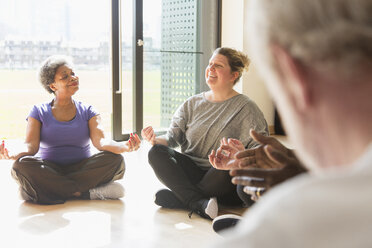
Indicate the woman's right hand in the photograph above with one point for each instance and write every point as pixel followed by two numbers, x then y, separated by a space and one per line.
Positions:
pixel 5 154
pixel 29 147
pixel 3 151
pixel 148 134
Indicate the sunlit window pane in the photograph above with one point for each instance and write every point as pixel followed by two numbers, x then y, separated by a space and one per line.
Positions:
pixel 32 30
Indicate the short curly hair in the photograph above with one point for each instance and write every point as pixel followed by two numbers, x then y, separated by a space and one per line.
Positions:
pixel 238 61
pixel 48 69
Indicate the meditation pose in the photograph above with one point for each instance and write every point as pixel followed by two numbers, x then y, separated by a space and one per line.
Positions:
pixel 57 163
pixel 199 126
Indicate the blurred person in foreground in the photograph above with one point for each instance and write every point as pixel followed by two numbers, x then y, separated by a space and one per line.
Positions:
pixel 56 163
pixel 316 57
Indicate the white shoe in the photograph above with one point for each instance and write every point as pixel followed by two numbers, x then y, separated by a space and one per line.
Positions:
pixel 223 222
pixel 112 190
pixel 212 208
pixel 205 208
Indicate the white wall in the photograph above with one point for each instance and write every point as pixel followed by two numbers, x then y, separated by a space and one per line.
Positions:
pixel 232 28
pixel 234 16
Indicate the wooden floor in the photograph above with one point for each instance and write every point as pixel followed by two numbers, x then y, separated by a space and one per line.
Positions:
pixel 134 221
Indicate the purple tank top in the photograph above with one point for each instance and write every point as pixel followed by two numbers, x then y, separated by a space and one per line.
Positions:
pixel 64 142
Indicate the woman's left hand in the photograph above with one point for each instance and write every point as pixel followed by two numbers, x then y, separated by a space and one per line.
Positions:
pixel 233 146
pixel 133 143
pixel 225 154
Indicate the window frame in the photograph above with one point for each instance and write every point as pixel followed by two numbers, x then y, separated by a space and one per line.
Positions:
pixel 137 82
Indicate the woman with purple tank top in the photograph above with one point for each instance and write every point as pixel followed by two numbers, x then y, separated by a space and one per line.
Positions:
pixel 57 163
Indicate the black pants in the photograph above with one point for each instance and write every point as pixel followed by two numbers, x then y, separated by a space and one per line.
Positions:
pixel 191 183
pixel 48 183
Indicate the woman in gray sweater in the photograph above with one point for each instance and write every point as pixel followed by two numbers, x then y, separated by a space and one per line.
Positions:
pixel 197 127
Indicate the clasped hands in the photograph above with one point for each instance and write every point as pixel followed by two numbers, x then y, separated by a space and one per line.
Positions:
pixel 259 168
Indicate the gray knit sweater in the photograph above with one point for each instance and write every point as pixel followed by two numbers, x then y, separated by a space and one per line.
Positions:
pixel 198 125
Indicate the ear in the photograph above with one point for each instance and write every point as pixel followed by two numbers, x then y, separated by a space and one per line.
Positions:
pixel 293 78
pixel 235 75
pixel 52 87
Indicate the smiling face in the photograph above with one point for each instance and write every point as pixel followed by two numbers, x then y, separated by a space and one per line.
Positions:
pixel 65 81
pixel 218 73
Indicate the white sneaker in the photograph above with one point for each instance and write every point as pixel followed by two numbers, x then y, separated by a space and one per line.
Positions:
pixel 205 208
pixel 212 208
pixel 223 222
pixel 112 190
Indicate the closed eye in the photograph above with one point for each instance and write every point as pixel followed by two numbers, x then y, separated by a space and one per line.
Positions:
pixel 215 65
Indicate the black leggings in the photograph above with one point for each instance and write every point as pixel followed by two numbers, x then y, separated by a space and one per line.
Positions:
pixel 191 183
pixel 48 183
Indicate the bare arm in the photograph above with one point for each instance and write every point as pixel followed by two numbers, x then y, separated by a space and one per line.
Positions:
pixel 102 143
pixel 31 144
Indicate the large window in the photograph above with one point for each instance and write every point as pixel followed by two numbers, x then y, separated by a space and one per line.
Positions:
pixel 137 60
pixel 32 30
pixel 165 46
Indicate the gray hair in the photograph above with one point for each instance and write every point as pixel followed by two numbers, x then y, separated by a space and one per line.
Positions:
pixel 49 68
pixel 324 34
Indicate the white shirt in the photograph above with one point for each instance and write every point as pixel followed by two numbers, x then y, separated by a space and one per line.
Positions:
pixel 329 210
